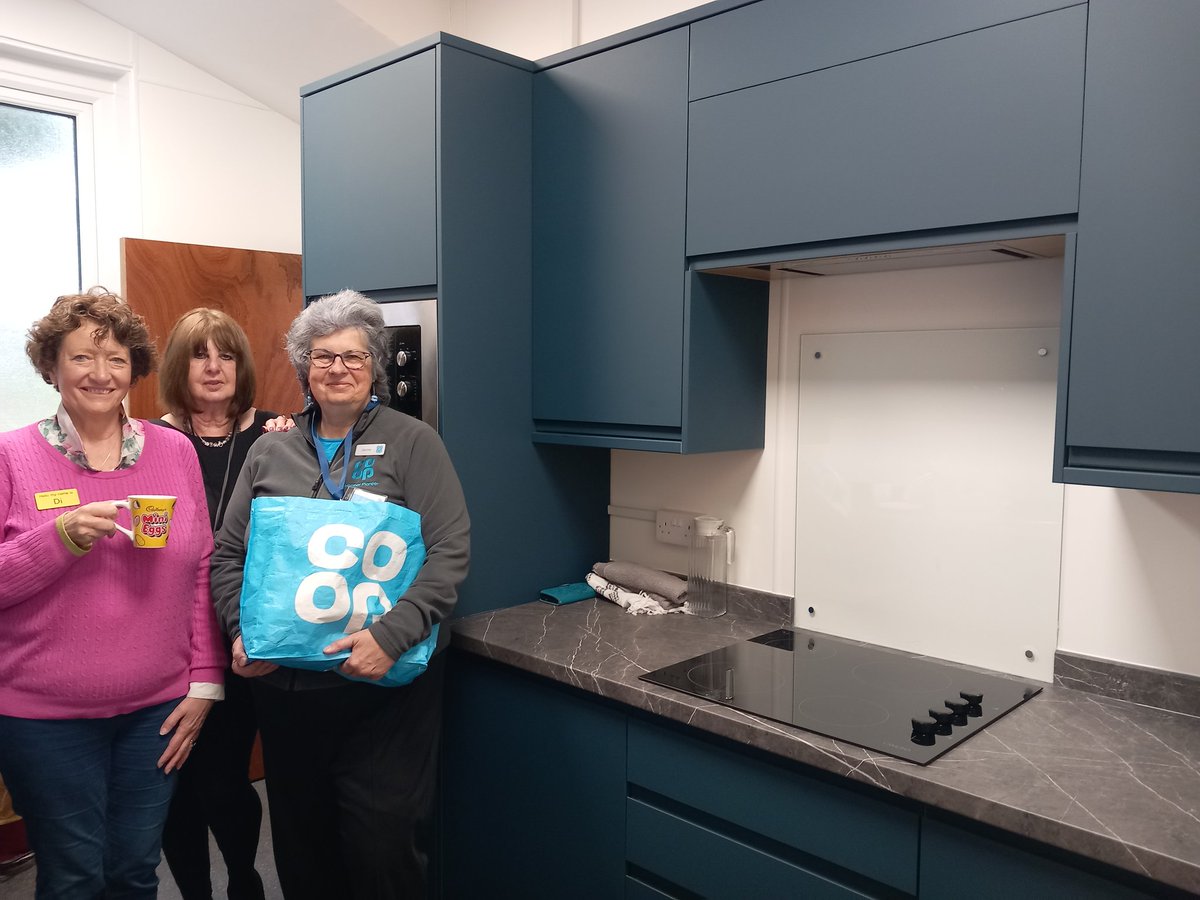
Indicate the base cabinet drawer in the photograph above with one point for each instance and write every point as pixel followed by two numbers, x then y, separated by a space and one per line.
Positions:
pixel 703 861
pixel 844 828
pixel 956 863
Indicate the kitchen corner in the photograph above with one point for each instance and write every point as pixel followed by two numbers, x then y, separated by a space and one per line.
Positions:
pixel 1110 781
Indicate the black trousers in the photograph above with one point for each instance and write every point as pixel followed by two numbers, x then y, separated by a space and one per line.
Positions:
pixel 214 791
pixel 351 778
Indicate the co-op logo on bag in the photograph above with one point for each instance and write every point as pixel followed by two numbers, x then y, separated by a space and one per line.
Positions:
pixel 333 547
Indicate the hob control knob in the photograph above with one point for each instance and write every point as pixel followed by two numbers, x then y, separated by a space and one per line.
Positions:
pixel 975 702
pixel 944 719
pixel 958 707
pixel 923 731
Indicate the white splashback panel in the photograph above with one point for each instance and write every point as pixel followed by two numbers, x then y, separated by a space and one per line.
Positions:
pixel 926 519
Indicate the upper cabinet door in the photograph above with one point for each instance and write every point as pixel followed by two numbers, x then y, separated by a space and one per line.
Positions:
pixel 370 180
pixel 776 39
pixel 1133 407
pixel 610 140
pixel 978 128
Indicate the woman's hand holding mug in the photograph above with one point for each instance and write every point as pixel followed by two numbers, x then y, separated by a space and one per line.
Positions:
pixel 151 514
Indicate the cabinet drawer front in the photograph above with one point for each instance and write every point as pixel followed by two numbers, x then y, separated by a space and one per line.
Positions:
pixel 779 38
pixel 819 819
pixel 713 865
pixel 956 863
pixel 979 128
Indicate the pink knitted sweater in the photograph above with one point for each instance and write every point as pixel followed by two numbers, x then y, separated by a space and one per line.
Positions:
pixel 118 628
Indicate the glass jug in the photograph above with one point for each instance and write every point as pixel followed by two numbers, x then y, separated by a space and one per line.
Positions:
pixel 708 567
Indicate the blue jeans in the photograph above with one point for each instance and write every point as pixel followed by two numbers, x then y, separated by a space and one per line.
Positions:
pixel 93 799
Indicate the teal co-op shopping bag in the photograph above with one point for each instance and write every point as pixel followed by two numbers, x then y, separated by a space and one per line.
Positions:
pixel 317 570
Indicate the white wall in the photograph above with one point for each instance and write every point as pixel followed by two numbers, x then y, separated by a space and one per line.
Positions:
pixel 183 156
pixel 535 29
pixel 1130 561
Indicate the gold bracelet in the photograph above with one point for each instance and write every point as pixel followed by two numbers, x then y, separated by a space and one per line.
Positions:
pixel 66 538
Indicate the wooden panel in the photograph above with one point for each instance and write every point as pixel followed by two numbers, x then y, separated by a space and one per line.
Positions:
pixel 258 288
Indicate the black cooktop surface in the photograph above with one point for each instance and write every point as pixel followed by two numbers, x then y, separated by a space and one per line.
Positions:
pixel 910 706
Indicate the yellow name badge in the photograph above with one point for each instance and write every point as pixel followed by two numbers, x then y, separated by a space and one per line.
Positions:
pixel 57 499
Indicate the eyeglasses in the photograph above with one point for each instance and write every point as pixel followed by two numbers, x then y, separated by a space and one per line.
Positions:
pixel 351 359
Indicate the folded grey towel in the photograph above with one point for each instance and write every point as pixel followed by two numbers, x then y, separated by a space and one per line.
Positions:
pixel 642 578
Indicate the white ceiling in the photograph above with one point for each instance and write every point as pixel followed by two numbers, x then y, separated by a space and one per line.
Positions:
pixel 268 49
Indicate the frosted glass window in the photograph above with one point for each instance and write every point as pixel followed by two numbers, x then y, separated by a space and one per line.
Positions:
pixel 39 245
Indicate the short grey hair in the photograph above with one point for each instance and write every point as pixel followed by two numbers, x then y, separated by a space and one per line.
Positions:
pixel 325 315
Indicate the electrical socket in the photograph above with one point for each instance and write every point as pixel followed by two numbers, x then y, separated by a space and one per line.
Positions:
pixel 671 526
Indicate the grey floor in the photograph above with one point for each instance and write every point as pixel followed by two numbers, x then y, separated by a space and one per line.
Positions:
pixel 20 885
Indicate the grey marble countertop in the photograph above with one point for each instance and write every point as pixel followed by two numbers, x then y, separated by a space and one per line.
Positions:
pixel 1110 780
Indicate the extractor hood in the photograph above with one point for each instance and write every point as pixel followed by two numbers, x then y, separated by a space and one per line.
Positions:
pixel 1045 247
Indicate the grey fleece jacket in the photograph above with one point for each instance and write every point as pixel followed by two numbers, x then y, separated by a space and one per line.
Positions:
pixel 413 470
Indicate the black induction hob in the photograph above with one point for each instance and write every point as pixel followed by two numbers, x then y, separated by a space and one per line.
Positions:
pixel 909 706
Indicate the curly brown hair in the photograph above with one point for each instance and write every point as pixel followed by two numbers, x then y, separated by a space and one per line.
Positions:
pixel 109 313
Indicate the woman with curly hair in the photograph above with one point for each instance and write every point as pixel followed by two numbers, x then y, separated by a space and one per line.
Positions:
pixel 110 655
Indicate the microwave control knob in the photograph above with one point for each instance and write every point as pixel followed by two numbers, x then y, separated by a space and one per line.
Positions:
pixel 958 707
pixel 944 719
pixel 403 388
pixel 404 357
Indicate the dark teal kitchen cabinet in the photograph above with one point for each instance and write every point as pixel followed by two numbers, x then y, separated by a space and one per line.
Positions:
pixel 977 128
pixel 776 39
pixel 472 176
pixel 533 788
pixel 369 179
pixel 1132 407
pixel 715 821
pixel 549 791
pixel 957 863
pixel 623 335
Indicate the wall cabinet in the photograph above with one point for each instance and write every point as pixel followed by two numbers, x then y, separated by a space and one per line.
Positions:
pixel 1132 411
pixel 977 128
pixel 623 336
pixel 369 179
pixel 594 799
pixel 776 39
pixel 399 208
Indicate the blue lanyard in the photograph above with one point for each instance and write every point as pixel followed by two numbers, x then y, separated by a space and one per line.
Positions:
pixel 335 490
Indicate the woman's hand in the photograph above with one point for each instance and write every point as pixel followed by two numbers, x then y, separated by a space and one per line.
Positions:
pixel 280 423
pixel 246 667
pixel 86 524
pixel 186 719
pixel 367 658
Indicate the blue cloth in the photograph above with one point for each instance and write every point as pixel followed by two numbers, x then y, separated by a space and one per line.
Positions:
pixel 93 799
pixel 568 593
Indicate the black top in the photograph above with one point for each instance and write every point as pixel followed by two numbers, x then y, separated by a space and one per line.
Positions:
pixel 215 460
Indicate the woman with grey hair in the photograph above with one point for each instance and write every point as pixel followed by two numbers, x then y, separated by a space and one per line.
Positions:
pixel 350 766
